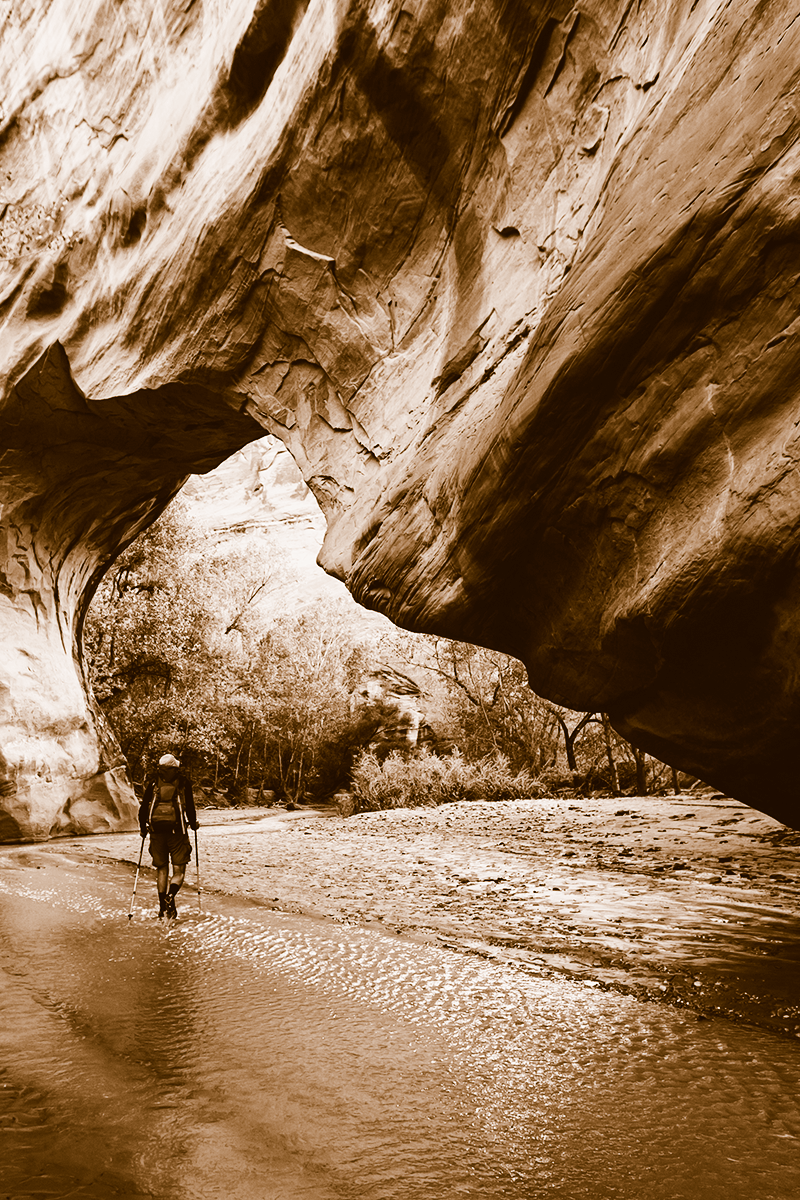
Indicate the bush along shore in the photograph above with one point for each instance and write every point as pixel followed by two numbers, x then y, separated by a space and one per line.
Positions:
pixel 428 780
pixel 693 900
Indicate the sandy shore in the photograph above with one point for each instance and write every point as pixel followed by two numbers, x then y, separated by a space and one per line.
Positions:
pixel 693 899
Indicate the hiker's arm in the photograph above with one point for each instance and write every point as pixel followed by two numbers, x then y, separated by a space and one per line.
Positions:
pixel 144 808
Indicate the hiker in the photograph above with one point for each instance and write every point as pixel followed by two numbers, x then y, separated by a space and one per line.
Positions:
pixel 167 811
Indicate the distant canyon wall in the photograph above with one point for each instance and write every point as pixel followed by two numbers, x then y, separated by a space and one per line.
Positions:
pixel 516 283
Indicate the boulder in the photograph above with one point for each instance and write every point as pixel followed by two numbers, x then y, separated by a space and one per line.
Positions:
pixel 395 701
pixel 345 803
pixel 517 286
pixel 104 804
pixel 254 796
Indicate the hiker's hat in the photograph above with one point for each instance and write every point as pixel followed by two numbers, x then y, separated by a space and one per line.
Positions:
pixel 168 760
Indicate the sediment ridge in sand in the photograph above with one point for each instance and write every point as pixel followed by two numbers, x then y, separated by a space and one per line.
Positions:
pixel 690 899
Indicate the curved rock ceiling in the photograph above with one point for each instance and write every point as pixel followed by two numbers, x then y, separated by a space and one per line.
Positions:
pixel 516 283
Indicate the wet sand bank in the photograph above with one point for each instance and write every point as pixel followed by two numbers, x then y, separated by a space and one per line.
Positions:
pixel 691 899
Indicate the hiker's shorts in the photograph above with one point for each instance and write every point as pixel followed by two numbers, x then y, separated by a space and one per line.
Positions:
pixel 169 843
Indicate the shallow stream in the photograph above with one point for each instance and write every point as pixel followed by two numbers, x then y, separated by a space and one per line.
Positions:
pixel 245 1053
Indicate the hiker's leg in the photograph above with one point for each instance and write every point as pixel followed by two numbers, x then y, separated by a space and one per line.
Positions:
pixel 178 872
pixel 162 875
pixel 160 856
pixel 180 853
pixel 178 876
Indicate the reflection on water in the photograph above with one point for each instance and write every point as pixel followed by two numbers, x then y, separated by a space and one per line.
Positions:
pixel 255 1055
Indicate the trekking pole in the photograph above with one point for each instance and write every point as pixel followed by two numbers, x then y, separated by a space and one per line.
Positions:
pixel 136 880
pixel 197 864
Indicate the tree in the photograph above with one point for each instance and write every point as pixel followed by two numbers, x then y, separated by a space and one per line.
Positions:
pixel 480 699
pixel 571 735
pixel 160 662
pixel 612 764
pixel 305 668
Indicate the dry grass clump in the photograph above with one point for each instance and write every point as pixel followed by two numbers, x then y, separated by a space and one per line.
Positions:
pixel 428 780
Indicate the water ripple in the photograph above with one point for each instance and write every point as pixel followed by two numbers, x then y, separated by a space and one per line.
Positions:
pixel 244 1052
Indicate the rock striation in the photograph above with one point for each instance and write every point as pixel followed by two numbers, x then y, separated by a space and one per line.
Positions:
pixel 256 507
pixel 515 283
pixel 397 702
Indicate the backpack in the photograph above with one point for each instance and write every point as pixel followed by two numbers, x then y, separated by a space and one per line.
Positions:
pixel 164 810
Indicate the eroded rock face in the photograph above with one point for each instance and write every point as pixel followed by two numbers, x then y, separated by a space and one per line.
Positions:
pixel 397 702
pixel 517 285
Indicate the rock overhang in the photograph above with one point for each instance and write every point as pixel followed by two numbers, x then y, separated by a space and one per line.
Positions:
pixel 516 286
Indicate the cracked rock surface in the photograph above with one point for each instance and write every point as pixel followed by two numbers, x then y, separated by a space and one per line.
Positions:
pixel 515 283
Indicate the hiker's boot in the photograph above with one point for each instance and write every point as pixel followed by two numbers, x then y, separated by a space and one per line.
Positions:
pixel 163 905
pixel 171 910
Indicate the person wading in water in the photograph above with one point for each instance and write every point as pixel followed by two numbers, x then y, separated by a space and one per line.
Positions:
pixel 167 811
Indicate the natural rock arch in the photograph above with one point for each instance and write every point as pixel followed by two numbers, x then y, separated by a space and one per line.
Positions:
pixel 515 283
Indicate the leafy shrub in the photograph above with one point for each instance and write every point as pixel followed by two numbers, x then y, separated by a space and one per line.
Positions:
pixel 428 780
pixel 498 781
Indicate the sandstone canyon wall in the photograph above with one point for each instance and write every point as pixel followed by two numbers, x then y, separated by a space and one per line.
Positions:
pixel 515 282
